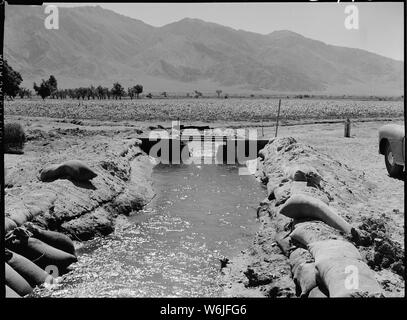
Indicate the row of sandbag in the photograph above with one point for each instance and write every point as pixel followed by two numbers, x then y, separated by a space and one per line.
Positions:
pixel 34 256
pixel 323 262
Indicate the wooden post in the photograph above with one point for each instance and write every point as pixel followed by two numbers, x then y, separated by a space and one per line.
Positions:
pixel 262 128
pixel 347 128
pixel 278 116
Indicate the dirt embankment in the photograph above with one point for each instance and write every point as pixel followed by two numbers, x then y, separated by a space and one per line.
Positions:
pixel 268 267
pixel 81 210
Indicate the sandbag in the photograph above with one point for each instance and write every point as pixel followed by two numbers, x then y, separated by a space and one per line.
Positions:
pixel 305 277
pixel 30 204
pixel 9 225
pixel 299 187
pixel 317 293
pixel 16 282
pixel 304 173
pixel 333 249
pixel 73 169
pixel 10 293
pixel 19 217
pixel 284 243
pixel 311 231
pixel 335 274
pixel 32 273
pixel 282 193
pixel 298 257
pixel 39 202
pixel 41 253
pixel 55 239
pixel 301 206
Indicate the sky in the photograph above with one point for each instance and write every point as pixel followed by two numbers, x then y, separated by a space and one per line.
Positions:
pixel 381 25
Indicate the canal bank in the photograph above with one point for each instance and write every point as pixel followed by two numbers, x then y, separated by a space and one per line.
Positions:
pixel 261 270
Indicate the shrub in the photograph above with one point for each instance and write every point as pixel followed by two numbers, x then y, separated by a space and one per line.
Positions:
pixel 14 138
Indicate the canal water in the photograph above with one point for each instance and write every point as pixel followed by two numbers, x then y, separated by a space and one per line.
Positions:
pixel 200 214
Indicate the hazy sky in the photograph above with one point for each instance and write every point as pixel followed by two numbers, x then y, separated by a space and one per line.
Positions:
pixel 381 25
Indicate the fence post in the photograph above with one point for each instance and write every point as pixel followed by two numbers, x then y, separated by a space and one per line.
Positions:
pixel 347 128
pixel 278 116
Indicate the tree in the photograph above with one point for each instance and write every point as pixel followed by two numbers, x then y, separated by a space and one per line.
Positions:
pixel 138 88
pixel 107 92
pixel 24 92
pixel 11 81
pixel 135 91
pixel 117 90
pixel 43 90
pixel 83 92
pixel 52 83
pixel 91 92
pixel 198 94
pixel 47 88
pixel 218 92
pixel 130 92
pixel 164 94
pixel 149 95
pixel 100 92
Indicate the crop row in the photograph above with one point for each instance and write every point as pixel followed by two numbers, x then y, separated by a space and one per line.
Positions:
pixel 205 110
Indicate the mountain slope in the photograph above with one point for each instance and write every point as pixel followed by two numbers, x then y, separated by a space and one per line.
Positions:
pixel 97 46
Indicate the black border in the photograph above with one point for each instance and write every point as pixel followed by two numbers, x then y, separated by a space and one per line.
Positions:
pixel 147 307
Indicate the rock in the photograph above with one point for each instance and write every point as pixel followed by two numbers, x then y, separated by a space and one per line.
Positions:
pixel 224 262
pixel 265 202
pixel 257 278
pixel 280 292
pixel 270 190
pixel 263 210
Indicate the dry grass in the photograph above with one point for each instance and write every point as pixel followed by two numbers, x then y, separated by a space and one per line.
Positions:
pixel 14 138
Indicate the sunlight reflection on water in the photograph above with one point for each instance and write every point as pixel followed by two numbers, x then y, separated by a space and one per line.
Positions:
pixel 172 248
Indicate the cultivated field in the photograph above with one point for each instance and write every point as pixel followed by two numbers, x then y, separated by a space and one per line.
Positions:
pixel 205 110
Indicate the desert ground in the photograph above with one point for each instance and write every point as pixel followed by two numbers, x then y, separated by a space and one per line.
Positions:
pixel 56 131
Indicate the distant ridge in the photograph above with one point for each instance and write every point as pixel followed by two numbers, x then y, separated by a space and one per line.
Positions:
pixel 97 46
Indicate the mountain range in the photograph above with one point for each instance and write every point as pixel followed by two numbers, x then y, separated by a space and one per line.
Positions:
pixel 98 46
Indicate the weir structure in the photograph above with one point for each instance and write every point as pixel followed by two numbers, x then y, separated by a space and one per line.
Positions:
pixel 175 148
